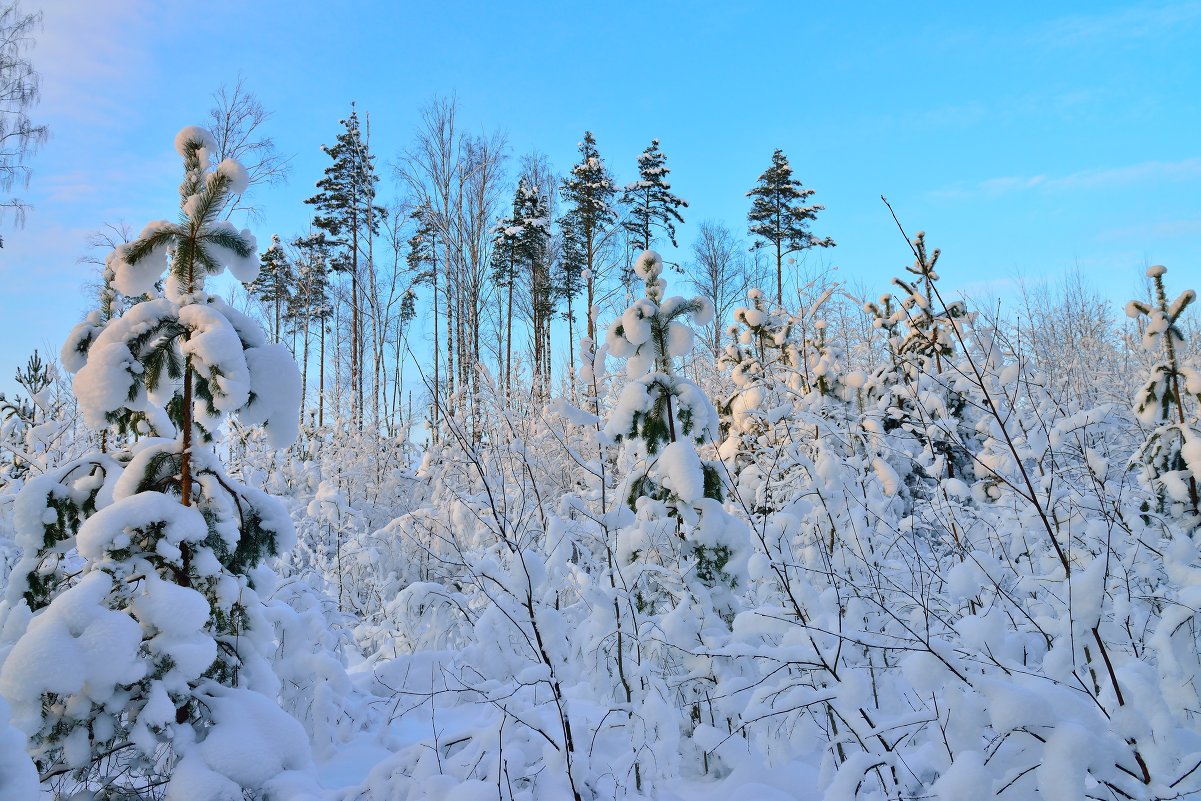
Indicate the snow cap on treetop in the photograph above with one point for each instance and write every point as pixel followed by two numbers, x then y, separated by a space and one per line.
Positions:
pixel 649 265
pixel 194 134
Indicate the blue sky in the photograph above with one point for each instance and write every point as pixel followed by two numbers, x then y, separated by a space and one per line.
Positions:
pixel 1027 139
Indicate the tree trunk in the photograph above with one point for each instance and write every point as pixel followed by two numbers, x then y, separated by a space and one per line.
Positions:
pixel 437 354
pixel 779 254
pixel 509 336
pixel 355 411
pixel 304 363
pixel 570 344
pixel 450 343
pixel 588 311
pixel 321 380
pixel 337 354
pixel 377 373
pixel 646 230
pixel 398 379
pixel 185 453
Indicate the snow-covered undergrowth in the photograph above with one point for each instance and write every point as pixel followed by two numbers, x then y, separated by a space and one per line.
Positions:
pixel 941 578
pixel 790 572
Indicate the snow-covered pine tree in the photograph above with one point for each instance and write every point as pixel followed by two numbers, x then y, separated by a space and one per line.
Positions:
pixel 779 217
pixel 504 262
pixel 533 250
pixel 519 245
pixel 661 418
pixel 312 304
pixel 588 193
pixel 275 283
pixel 138 667
pixel 31 428
pixel 1170 403
pixel 421 245
pixel 755 359
pixel 782 382
pixel 682 560
pixel 650 200
pixel 423 264
pixel 917 393
pixel 569 280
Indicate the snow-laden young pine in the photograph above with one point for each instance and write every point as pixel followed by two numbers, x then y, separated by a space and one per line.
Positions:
pixel 35 431
pixel 661 418
pixel 136 649
pixel 921 402
pixel 682 558
pixel 779 363
pixel 1170 403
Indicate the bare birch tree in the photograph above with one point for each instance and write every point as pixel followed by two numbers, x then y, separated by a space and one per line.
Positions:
pixel 19 136
pixel 237 122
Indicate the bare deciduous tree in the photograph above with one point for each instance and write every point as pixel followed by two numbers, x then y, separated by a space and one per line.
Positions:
pixel 19 136
pixel 458 178
pixel 722 271
pixel 237 121
pixel 429 168
pixel 102 242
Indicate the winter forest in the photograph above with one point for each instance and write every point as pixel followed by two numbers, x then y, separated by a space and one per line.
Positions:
pixel 499 478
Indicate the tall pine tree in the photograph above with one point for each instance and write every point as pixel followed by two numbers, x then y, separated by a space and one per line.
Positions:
pixel 779 217
pixel 650 200
pixel 347 212
pixel 533 248
pixel 588 193
pixel 312 303
pixel 505 239
pixel 520 245
pixel 423 262
pixel 569 278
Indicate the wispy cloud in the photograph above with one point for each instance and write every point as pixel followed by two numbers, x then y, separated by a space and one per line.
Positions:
pixel 998 186
pixel 1130 23
pixel 1093 178
pixel 1146 172
pixel 1167 229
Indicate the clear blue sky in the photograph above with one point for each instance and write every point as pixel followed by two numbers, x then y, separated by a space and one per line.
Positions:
pixel 1025 138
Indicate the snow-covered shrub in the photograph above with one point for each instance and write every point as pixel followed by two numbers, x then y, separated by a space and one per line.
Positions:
pixel 311 646
pixel 963 593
